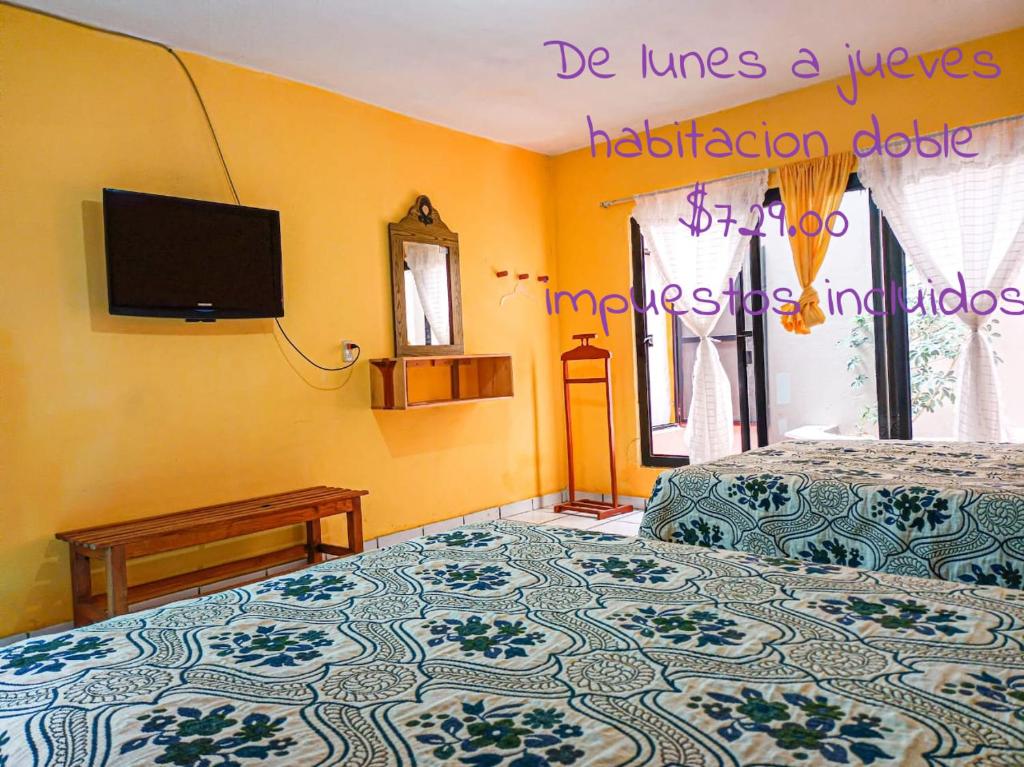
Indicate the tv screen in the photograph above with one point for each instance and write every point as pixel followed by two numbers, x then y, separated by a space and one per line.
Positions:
pixel 175 257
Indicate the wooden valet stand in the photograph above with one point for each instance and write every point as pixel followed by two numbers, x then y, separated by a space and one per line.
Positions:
pixel 599 509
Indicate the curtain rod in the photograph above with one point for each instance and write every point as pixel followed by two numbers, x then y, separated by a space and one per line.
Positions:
pixel 633 198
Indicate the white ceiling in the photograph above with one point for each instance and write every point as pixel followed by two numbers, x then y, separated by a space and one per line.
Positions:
pixel 479 66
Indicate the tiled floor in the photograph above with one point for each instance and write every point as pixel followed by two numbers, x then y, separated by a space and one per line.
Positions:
pixel 539 512
pixel 624 524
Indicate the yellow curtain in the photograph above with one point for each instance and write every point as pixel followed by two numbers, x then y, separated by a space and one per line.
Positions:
pixel 816 185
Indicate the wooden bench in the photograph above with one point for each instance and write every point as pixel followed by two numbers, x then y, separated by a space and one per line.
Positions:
pixel 116 543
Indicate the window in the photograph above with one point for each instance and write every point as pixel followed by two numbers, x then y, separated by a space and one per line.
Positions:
pixel 824 383
pixel 665 360
pixel 873 371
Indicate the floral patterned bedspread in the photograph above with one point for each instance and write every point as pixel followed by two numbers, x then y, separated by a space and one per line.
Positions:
pixel 951 510
pixel 522 646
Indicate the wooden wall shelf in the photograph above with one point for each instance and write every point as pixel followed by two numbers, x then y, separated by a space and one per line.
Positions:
pixel 408 383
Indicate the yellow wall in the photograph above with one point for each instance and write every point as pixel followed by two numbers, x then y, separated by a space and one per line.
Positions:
pixel 105 418
pixel 593 242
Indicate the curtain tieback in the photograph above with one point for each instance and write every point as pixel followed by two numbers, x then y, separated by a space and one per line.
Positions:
pixel 810 313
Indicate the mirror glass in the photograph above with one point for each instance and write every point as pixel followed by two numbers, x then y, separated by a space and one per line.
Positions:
pixel 427 297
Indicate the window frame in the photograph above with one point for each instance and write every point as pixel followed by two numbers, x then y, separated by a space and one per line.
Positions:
pixel 891 339
pixel 641 344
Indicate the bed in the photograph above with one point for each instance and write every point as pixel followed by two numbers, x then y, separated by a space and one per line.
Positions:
pixel 950 510
pixel 522 646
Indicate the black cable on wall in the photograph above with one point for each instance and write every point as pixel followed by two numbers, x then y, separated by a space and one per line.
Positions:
pixel 209 124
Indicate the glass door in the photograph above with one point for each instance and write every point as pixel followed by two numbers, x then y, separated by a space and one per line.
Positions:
pixel 666 351
pixel 823 385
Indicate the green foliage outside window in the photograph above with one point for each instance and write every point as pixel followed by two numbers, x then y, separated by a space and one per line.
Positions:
pixel 935 341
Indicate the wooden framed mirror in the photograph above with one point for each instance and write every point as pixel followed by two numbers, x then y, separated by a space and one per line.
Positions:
pixel 425 284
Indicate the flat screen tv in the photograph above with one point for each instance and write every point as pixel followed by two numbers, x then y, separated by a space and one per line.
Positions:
pixel 175 257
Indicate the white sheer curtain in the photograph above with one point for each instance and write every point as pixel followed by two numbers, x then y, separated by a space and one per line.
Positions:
pixel 429 266
pixel 707 261
pixel 962 216
pixel 414 314
pixel 659 379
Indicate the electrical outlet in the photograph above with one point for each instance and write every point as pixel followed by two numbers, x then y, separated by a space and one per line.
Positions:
pixel 348 351
pixel 782 395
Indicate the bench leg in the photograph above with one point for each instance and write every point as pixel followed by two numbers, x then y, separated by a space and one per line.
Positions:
pixel 81 586
pixel 117 581
pixel 313 539
pixel 354 523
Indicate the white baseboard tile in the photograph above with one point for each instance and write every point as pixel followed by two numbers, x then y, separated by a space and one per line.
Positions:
pixel 549 500
pixel 283 569
pixel 54 629
pixel 486 515
pixel 384 541
pixel 370 545
pixel 535 516
pixel 12 639
pixel 443 526
pixel 586 495
pixel 517 507
pixel 164 600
